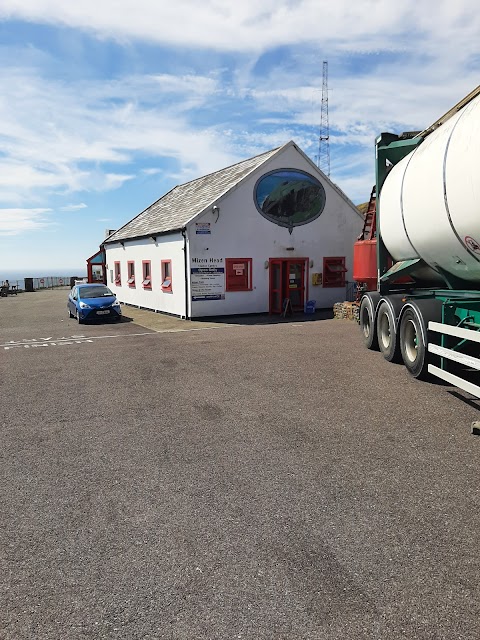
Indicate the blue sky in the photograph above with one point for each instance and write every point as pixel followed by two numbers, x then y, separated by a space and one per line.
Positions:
pixel 107 105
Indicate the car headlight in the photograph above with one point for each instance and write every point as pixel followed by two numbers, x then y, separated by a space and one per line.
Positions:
pixel 116 304
pixel 84 305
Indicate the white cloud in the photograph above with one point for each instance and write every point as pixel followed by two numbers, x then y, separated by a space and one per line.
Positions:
pixel 15 221
pixel 151 171
pixel 252 26
pixel 67 149
pixel 62 138
pixel 74 207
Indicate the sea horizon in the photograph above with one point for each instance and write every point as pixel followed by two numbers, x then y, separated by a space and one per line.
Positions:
pixel 17 276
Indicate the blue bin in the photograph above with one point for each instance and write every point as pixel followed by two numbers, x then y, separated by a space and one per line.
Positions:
pixel 310 306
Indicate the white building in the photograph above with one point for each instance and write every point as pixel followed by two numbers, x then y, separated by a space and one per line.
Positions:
pixel 245 239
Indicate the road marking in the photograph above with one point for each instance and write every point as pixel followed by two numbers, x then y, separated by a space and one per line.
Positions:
pixel 32 345
pixel 27 343
pixel 54 342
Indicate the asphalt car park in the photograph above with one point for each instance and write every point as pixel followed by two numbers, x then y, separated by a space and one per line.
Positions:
pixel 228 480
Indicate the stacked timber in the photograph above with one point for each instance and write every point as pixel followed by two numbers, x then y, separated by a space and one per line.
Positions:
pixel 346 311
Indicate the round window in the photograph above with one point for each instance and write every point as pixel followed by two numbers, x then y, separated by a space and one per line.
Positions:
pixel 289 197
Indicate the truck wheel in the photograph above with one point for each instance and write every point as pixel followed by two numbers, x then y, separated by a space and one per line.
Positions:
pixel 367 323
pixel 412 344
pixel 386 333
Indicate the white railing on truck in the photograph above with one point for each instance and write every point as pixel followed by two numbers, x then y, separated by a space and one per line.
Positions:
pixel 449 354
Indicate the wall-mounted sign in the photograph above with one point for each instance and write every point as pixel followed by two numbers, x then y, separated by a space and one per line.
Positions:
pixel 202 228
pixel 289 197
pixel 207 279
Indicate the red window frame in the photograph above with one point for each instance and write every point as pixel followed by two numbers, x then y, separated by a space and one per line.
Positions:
pixel 166 277
pixel 235 281
pixel 131 273
pixel 146 277
pixel 334 272
pixel 117 273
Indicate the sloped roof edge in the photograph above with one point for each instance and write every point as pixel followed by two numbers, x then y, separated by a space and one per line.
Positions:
pixel 108 241
pixel 222 195
pixel 341 193
pixel 183 190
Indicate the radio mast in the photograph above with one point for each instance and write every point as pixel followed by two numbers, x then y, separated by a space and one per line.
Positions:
pixel 324 137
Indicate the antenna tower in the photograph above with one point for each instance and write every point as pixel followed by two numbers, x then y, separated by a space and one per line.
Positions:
pixel 324 137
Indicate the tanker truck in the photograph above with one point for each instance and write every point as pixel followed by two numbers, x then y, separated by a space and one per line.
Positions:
pixel 417 261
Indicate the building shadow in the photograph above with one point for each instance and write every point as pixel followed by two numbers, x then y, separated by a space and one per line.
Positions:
pixel 266 318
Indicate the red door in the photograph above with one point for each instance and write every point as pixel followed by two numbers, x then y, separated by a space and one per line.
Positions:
pixel 276 286
pixel 287 280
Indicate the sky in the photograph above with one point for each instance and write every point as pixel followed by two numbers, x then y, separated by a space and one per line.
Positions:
pixel 106 105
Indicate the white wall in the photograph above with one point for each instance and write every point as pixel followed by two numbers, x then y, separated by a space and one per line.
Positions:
pixel 166 247
pixel 242 232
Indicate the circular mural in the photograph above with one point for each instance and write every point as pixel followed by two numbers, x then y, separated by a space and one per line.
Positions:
pixel 289 197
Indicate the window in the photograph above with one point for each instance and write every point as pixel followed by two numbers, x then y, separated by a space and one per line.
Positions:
pixel 146 274
pixel 239 274
pixel 118 278
pixel 166 275
pixel 95 291
pixel 131 273
pixel 334 272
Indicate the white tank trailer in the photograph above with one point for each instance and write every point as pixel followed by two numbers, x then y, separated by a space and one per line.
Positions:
pixel 426 309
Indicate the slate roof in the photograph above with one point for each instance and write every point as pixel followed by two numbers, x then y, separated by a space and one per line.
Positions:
pixel 173 210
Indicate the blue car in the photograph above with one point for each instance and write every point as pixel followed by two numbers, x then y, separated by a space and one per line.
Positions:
pixel 90 301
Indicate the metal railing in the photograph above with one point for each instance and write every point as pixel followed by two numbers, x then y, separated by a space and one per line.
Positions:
pixel 50 282
pixel 42 282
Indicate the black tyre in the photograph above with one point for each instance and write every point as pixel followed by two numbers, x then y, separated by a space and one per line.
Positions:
pixel 69 313
pixel 387 334
pixel 412 344
pixel 367 323
pixel 79 320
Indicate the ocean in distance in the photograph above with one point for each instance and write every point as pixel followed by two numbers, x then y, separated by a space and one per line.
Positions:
pixel 18 277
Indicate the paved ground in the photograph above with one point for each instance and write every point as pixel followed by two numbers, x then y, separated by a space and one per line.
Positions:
pixel 251 481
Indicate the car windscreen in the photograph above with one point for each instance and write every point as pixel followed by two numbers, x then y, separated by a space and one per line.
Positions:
pixel 94 292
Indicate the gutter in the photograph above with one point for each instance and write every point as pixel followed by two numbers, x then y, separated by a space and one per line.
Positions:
pixel 185 269
pixel 152 234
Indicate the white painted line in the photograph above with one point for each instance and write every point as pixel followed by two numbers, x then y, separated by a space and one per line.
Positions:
pixel 51 340
pixel 154 333
pixel 78 339
pixel 228 326
pixel 32 345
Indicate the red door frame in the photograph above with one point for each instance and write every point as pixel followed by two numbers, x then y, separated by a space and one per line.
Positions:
pixel 282 290
pixel 102 264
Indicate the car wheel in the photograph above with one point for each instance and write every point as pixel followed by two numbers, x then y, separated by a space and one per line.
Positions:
pixel 70 314
pixel 79 320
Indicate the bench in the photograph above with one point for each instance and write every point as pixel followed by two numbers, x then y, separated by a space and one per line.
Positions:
pixel 5 291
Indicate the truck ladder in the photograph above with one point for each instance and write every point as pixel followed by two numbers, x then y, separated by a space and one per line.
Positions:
pixel 370 220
